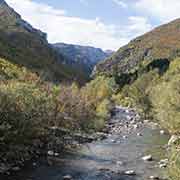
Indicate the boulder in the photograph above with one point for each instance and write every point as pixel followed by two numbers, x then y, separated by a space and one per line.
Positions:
pixel 67 177
pixel 34 164
pixel 162 132
pixel 130 173
pixel 56 154
pixel 164 165
pixel 119 163
pixel 50 153
pixel 136 126
pixel 147 158
pixel 139 134
pixel 154 177
pixel 125 137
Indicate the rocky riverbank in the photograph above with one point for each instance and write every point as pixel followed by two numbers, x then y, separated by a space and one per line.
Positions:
pixel 129 148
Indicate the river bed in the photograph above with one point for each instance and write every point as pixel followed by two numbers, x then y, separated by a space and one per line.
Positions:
pixel 127 142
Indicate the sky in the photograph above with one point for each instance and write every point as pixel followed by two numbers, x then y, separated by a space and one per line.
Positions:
pixel 106 24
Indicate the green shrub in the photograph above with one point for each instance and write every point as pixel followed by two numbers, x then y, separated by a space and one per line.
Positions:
pixel 98 94
pixel 102 113
pixel 174 166
pixel 22 112
pixel 165 98
pixel 137 93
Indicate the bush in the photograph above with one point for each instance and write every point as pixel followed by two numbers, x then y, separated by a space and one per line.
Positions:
pixel 98 93
pixel 103 113
pixel 174 166
pixel 165 98
pixel 22 112
pixel 29 109
pixel 70 108
pixel 137 93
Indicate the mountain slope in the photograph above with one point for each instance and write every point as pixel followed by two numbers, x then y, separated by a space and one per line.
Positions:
pixel 24 45
pixel 161 43
pixel 83 58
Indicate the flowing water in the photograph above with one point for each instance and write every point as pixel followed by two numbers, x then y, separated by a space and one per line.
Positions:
pixel 108 159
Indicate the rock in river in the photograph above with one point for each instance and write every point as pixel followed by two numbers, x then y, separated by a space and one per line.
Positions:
pixel 130 173
pixel 139 134
pixel 162 132
pixel 50 153
pixel 119 163
pixel 147 158
pixel 154 177
pixel 67 177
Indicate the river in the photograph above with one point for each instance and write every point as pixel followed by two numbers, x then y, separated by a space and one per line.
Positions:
pixel 128 140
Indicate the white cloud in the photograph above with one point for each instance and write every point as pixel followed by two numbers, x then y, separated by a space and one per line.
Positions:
pixel 164 10
pixel 63 28
pixel 139 24
pixel 120 3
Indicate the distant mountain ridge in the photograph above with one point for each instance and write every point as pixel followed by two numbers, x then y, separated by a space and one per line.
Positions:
pixel 82 57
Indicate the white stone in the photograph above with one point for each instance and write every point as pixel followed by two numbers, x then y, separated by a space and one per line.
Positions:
pixel 147 158
pixel 162 132
pixel 113 140
pixel 130 173
pixel 163 165
pixel 124 137
pixel 154 177
pixel 129 117
pixel 139 134
pixel 120 163
pixel 50 153
pixel 34 164
pixel 56 154
pixel 67 177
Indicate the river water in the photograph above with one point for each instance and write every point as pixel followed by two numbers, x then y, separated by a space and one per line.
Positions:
pixel 108 159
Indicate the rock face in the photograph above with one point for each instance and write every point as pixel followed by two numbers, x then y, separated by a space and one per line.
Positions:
pixel 81 57
pixel 7 14
pixel 162 43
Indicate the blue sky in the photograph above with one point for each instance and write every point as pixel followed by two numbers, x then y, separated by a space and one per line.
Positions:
pixel 108 24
